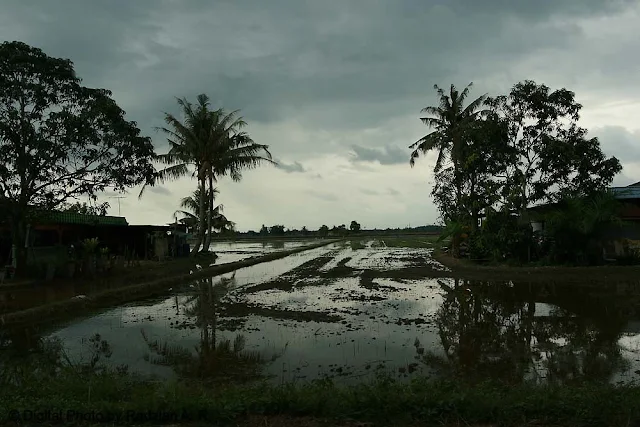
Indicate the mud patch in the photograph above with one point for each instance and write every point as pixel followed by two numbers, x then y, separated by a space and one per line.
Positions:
pixel 303 275
pixel 241 310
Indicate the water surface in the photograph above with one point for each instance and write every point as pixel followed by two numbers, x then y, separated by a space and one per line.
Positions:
pixel 325 313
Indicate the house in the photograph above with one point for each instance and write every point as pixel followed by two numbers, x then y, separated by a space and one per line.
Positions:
pixel 50 237
pixel 618 240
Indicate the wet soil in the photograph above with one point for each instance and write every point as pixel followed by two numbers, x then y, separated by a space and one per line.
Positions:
pixel 242 310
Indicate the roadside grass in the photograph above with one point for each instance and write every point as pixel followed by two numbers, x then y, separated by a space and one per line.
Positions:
pixel 382 402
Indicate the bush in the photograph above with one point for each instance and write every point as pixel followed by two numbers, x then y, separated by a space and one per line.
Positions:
pixel 502 237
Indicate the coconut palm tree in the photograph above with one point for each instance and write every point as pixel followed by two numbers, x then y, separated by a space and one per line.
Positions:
pixel 206 144
pixel 449 121
pixel 190 211
pixel 188 141
pixel 233 151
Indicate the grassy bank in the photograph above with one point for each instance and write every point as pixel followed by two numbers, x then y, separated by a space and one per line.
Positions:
pixel 467 269
pixel 110 297
pixel 384 402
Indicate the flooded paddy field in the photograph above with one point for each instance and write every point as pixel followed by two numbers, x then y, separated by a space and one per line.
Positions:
pixel 15 299
pixel 231 251
pixel 354 310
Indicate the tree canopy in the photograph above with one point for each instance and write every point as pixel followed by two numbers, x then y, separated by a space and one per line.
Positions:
pixel 60 140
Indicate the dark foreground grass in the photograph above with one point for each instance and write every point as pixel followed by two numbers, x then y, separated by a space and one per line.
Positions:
pixel 121 399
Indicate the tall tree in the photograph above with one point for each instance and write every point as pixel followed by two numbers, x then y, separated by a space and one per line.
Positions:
pixel 207 144
pixel 231 150
pixel 553 157
pixel 58 139
pixel 486 155
pixel 187 141
pixel 449 121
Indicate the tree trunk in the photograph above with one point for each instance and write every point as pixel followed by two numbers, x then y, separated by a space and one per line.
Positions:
pixel 474 207
pixel 201 218
pixel 207 239
pixel 18 235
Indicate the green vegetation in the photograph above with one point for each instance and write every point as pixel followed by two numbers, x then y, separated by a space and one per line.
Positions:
pixel 499 156
pixel 59 140
pixel 207 144
pixel 383 402
pixel 190 216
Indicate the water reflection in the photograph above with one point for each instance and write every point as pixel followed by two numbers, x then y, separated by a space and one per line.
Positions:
pixel 213 359
pixel 494 331
pixel 346 324
pixel 27 359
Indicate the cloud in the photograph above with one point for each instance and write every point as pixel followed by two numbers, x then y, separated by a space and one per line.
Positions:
pixel 160 190
pixel 290 167
pixel 619 142
pixel 337 85
pixel 323 195
pixel 389 155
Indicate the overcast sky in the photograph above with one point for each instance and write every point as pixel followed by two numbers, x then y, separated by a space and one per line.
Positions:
pixel 335 87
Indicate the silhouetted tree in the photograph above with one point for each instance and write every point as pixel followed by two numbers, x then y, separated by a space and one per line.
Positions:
pixel 323 231
pixel 59 140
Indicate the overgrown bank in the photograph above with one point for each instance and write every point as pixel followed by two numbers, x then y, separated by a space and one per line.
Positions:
pixel 110 297
pixel 468 269
pixel 118 399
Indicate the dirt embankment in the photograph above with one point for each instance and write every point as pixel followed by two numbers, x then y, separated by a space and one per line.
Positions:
pixel 466 269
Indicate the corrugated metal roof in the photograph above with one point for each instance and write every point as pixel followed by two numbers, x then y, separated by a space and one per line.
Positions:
pixel 626 192
pixel 76 218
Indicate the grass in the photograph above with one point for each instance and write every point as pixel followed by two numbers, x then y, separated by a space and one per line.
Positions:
pixel 382 402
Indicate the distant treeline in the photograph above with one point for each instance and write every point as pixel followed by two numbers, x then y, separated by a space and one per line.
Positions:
pixel 336 231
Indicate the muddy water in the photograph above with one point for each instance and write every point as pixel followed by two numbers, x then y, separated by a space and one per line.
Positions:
pixel 237 251
pixel 351 312
pixel 20 299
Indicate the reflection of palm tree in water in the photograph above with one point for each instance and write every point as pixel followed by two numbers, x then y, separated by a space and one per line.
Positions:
pixel 493 332
pixel 214 359
pixel 204 307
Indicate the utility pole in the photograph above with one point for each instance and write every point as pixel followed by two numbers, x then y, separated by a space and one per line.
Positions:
pixel 118 197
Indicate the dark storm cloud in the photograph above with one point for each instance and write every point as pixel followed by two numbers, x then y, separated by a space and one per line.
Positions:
pixel 94 35
pixel 389 155
pixel 344 63
pixel 290 167
pixel 540 9
pixel 315 77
